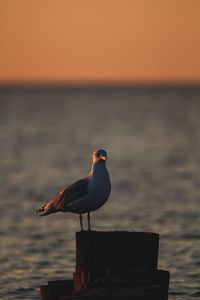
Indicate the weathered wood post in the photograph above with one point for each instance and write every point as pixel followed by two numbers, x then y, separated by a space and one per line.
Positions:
pixel 113 265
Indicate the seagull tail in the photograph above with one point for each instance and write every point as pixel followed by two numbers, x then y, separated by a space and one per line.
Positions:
pixel 49 208
pixel 48 212
pixel 39 209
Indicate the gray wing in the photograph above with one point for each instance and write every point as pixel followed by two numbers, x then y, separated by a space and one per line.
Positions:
pixel 73 192
pixel 69 194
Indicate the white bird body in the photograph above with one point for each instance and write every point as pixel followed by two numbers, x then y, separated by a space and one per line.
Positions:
pixel 99 188
pixel 85 195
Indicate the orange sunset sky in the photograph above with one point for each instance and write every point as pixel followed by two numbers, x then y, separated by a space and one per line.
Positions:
pixel 112 41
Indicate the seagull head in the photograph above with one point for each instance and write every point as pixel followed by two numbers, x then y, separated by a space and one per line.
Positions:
pixel 99 156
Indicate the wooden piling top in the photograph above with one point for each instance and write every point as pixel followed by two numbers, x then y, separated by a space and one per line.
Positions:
pixel 113 265
pixel 118 249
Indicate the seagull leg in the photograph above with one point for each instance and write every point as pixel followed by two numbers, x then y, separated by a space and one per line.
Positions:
pixel 81 223
pixel 88 218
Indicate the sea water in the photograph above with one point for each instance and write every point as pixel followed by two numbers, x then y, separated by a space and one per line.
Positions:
pixel 47 137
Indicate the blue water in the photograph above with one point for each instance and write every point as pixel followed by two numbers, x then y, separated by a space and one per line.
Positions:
pixel 47 136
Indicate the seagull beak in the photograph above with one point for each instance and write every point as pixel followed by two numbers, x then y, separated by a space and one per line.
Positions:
pixel 103 157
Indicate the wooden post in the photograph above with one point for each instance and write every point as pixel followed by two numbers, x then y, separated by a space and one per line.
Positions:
pixel 118 249
pixel 113 265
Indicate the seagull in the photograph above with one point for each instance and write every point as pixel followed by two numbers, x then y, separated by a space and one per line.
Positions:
pixel 84 195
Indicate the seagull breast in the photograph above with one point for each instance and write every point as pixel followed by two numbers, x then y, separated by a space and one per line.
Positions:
pixel 99 188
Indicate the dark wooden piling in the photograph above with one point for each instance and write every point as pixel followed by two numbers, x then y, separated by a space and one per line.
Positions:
pixel 113 265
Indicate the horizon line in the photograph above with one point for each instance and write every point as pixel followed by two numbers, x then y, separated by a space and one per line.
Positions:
pixel 98 83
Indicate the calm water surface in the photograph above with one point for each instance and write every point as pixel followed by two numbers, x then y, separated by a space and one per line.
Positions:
pixel 47 137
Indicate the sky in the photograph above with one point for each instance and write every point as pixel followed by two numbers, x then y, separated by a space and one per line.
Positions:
pixel 112 41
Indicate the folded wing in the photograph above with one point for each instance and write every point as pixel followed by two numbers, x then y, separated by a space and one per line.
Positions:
pixel 69 194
